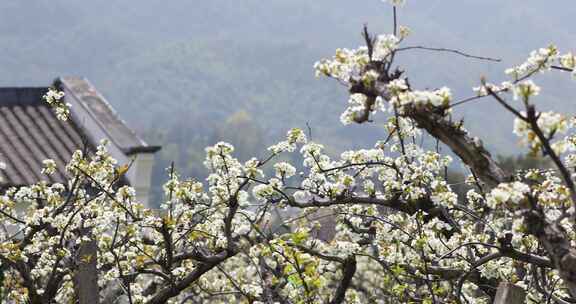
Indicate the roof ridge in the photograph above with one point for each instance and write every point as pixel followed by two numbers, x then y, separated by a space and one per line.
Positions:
pixel 104 115
pixel 21 95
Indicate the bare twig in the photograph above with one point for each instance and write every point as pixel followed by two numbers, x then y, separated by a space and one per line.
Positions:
pixel 447 50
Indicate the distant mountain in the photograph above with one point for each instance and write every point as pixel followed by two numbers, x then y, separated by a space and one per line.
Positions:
pixel 182 68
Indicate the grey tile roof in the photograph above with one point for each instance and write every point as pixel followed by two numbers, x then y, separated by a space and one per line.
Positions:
pixel 104 115
pixel 31 133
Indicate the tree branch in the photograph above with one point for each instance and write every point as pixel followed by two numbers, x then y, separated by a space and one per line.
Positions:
pixel 469 150
pixel 171 291
pixel 418 47
pixel 349 269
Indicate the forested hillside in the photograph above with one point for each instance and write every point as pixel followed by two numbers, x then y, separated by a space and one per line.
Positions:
pixel 189 73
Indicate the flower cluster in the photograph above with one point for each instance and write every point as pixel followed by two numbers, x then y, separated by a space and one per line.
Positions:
pixel 507 193
pixel 542 60
pixel 384 46
pixel 54 98
pixel 358 105
pixel 550 124
pixel 539 60
pixel 49 167
pixel 346 64
pixel 361 106
pixel 396 2
pixel 525 90
pixel 486 87
pixel 351 66
pixel 293 137
pixel 401 96
pixel 568 61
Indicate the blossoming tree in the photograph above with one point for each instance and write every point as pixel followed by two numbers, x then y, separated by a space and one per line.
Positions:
pixel 399 231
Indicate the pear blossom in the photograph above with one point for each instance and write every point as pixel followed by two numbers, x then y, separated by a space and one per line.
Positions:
pixel 538 61
pixel 379 223
pixel 396 2
pixel 526 89
pixel 49 166
pixel 54 98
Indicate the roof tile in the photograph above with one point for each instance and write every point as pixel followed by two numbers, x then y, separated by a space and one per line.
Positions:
pixel 31 133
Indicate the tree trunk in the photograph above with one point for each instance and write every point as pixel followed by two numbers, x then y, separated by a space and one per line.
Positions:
pixel 509 294
pixel 86 274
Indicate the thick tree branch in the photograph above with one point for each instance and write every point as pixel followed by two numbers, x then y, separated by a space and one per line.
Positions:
pixel 469 150
pixel 348 271
pixel 553 238
pixel 396 203
pixel 171 291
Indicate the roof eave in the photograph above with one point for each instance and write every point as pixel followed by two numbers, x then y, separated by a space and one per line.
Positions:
pixel 143 149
